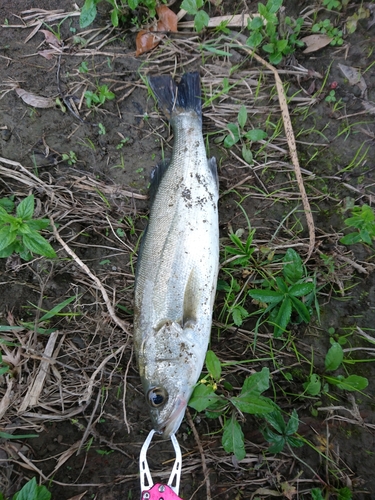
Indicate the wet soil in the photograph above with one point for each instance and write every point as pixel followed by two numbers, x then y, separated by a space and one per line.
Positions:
pixel 97 195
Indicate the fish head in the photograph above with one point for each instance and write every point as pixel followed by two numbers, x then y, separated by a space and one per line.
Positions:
pixel 170 365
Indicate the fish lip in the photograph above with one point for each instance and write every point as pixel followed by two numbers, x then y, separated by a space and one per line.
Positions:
pixel 171 425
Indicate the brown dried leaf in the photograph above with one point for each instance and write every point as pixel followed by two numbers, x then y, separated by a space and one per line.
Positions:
pixel 167 17
pixel 35 100
pixel 146 40
pixel 51 38
pixel 315 42
pixel 48 53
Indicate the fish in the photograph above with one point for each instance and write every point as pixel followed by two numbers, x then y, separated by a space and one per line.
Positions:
pixel 178 260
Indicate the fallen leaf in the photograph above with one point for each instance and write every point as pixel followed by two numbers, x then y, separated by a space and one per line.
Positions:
pixel 51 38
pixel 147 40
pixel 35 100
pixel 48 53
pixel 167 17
pixel 354 77
pixel 315 42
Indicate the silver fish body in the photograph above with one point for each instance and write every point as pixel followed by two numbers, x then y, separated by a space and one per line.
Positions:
pixel 178 263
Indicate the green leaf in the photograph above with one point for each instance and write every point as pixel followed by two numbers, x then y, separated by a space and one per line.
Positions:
pixel 7 204
pixel 256 134
pixel 283 317
pixel 239 313
pixel 7 237
pixel 9 250
pixel 255 24
pixel 213 365
pixel 269 48
pixel 88 13
pixel 6 435
pixel 233 439
pixel 295 441
pixel 133 4
pixel 293 267
pixel 234 135
pixel 334 357
pixel 256 383
pixel 203 396
pixel 114 17
pixel 31 491
pixel 254 40
pixel 301 309
pixel 267 296
pixel 301 289
pixel 191 6
pixel 25 209
pixel 276 420
pixel 316 494
pixel 313 386
pixel 55 310
pixel 201 20
pixel 351 239
pixel 277 441
pixel 274 5
pixel 37 244
pixel 353 383
pixel 37 224
pixel 293 423
pixel 247 155
pixel 254 405
pixel 281 45
pixel 242 116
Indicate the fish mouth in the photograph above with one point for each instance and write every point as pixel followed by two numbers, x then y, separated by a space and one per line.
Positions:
pixel 171 425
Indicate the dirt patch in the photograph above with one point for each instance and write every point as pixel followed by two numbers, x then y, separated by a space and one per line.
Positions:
pixel 89 168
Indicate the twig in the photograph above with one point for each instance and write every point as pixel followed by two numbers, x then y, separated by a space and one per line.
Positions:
pixel 94 278
pixel 291 143
pixel 203 458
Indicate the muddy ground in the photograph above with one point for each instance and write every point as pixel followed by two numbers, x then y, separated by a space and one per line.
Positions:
pixel 89 415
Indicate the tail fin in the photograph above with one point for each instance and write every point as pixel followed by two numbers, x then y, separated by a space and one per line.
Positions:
pixel 174 98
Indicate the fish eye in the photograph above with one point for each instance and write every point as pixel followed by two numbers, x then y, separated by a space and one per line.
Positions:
pixel 156 396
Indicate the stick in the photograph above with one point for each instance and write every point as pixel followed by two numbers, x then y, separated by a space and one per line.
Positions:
pixel 96 280
pixel 203 458
pixel 291 143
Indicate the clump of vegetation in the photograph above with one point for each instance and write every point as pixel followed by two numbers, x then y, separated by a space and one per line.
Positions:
pixel 20 233
pixel 121 10
pixel 363 219
pixel 281 297
pixel 101 95
pixel 264 32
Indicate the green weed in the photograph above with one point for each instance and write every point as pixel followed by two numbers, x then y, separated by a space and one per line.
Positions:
pixel 326 27
pixel 121 10
pixel 282 295
pixel 333 360
pixel 20 234
pixel 218 398
pixel 280 434
pixel 101 95
pixel 194 8
pixel 264 34
pixel 70 157
pixel 237 132
pixel 363 220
